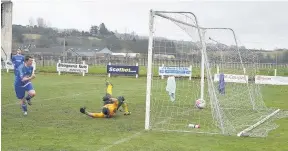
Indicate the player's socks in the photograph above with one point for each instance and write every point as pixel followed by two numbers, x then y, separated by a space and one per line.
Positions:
pixel 109 88
pixel 125 107
pixel 28 98
pixel 24 107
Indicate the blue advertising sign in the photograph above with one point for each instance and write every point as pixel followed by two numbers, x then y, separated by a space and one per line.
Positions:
pixel 118 69
pixel 175 71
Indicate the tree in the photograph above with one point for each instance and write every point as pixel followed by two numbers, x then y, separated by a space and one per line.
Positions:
pixel 31 22
pixel 94 30
pixel 103 30
pixel 285 57
pixel 40 22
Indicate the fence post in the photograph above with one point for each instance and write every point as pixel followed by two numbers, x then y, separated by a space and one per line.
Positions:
pixel 83 72
pixel 162 77
pixel 275 72
pixel 190 77
pixel 138 70
pixel 109 75
pixel 59 72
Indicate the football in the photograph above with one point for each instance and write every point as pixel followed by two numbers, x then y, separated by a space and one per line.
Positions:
pixel 200 104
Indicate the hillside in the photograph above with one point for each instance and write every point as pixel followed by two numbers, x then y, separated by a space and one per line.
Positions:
pixel 40 37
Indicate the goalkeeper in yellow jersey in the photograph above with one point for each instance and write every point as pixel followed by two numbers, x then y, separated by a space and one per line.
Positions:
pixel 110 109
pixel 107 100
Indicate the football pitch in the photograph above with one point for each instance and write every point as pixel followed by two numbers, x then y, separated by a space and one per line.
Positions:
pixel 54 122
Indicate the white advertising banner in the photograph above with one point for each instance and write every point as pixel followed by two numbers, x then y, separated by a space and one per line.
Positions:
pixel 232 78
pixel 273 80
pixel 69 67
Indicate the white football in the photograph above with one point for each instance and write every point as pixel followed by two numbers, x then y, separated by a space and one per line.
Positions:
pixel 200 104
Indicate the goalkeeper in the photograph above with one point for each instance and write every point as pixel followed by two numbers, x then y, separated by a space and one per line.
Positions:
pixel 107 100
pixel 108 110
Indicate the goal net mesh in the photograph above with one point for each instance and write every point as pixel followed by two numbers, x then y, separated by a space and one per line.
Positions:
pixel 229 111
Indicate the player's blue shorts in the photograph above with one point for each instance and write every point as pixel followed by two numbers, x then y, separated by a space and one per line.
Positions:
pixel 21 89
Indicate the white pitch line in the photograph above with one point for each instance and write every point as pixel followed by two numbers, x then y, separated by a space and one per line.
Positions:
pixel 122 140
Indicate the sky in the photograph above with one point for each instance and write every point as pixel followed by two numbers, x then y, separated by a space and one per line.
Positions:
pixel 260 25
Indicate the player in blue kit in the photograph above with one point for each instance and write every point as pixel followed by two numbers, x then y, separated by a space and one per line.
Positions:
pixel 17 60
pixel 22 83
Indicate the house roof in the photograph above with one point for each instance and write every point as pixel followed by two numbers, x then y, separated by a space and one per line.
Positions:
pixel 105 51
pixel 84 54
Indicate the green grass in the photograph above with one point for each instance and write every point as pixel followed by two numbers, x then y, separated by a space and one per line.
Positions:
pixel 32 36
pixel 54 122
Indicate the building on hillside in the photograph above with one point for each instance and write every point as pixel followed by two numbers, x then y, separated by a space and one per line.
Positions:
pixel 128 55
pixel 163 56
pixel 119 55
pixel 105 52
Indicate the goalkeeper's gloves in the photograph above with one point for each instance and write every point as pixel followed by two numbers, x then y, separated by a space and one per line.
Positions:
pixel 121 98
pixel 82 110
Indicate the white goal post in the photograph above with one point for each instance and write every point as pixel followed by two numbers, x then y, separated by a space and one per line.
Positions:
pixel 231 113
pixel 149 68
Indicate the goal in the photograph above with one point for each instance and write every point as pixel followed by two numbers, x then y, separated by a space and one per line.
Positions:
pixel 233 104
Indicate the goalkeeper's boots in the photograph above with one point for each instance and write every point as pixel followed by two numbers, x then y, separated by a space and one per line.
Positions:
pixel 127 113
pixel 82 110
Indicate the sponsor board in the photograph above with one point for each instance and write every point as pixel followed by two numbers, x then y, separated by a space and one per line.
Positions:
pixel 68 67
pixel 273 80
pixel 121 69
pixel 175 71
pixel 232 78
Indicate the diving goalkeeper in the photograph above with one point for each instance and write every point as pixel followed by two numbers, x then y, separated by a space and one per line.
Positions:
pixel 107 100
pixel 108 110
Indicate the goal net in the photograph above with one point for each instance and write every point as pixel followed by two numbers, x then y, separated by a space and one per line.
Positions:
pixel 232 102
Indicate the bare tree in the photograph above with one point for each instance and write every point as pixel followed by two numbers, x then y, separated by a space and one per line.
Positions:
pixel 31 22
pixel 40 22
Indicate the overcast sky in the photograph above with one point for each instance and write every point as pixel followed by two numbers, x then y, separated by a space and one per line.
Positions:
pixel 257 24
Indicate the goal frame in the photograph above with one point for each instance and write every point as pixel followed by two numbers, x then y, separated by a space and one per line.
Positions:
pixel 201 34
pixel 150 54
